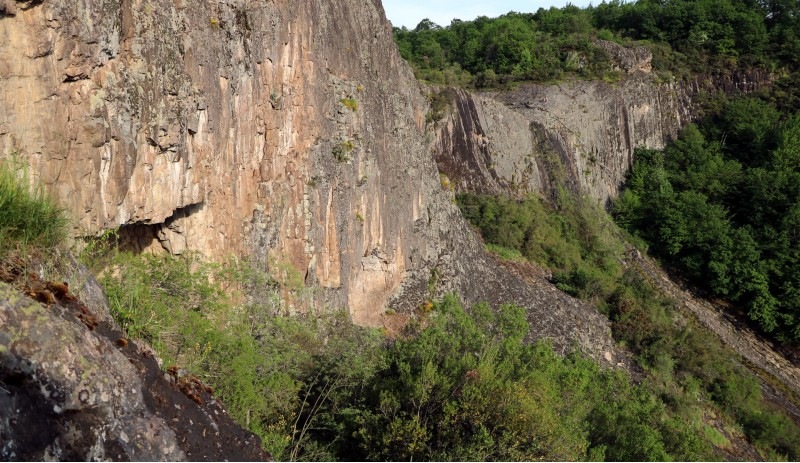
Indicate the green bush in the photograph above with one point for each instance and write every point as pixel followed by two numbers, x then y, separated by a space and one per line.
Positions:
pixel 265 367
pixel 350 103
pixel 575 242
pixel 341 152
pixel 440 104
pixel 457 385
pixel 685 366
pixel 466 387
pixel 28 216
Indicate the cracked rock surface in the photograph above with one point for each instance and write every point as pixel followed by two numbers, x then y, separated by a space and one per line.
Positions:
pixel 70 390
pixel 290 133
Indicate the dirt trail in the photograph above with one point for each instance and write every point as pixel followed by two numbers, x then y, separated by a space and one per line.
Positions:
pixel 760 356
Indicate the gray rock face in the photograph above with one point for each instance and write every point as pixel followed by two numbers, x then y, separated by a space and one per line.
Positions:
pixel 589 128
pixel 629 60
pixel 484 146
pixel 515 142
pixel 70 389
pixel 69 396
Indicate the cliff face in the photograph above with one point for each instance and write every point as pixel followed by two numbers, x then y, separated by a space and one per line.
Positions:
pixel 288 131
pixel 212 126
pixel 517 142
pixel 589 128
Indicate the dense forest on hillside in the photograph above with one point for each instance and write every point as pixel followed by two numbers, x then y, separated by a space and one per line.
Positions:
pixel 685 36
pixel 722 205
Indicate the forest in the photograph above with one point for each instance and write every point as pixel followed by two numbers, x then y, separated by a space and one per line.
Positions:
pixel 686 37
pixel 722 205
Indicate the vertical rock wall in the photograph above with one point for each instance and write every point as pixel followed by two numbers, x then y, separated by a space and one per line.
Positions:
pixel 589 128
pixel 507 141
pixel 213 126
pixel 290 132
pixel 595 127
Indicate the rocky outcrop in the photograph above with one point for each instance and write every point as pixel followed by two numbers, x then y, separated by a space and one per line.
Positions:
pixel 591 129
pixel 519 141
pixel 286 130
pixel 289 132
pixel 763 357
pixel 483 146
pixel 72 388
pixel 627 59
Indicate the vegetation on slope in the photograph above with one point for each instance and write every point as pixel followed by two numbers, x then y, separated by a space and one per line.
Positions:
pixel 28 216
pixel 689 373
pixel 685 36
pixel 457 386
pixel 722 205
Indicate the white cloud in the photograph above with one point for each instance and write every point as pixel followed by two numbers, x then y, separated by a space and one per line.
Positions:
pixel 409 13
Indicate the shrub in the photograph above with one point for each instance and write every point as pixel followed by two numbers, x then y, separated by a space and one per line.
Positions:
pixel 266 368
pixel 685 365
pixel 440 103
pixel 350 103
pixel 458 386
pixel 341 152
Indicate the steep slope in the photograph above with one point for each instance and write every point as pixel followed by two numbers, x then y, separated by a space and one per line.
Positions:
pixel 287 132
pixel 735 333
pixel 73 388
pixel 514 142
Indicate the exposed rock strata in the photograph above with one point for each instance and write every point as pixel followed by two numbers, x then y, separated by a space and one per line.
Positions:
pixel 589 128
pixel 507 141
pixel 136 112
pixel 287 131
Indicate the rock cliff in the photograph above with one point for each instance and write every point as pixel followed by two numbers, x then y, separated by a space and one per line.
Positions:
pixel 517 142
pixel 290 132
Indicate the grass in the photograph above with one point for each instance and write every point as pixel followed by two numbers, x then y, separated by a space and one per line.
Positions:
pixel 195 314
pixel 28 216
pixel 505 253
pixel 716 437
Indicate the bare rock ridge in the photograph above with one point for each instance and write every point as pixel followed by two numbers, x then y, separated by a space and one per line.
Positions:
pixel 511 142
pixel 287 131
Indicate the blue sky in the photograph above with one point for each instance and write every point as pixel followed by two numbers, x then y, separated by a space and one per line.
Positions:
pixel 410 12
